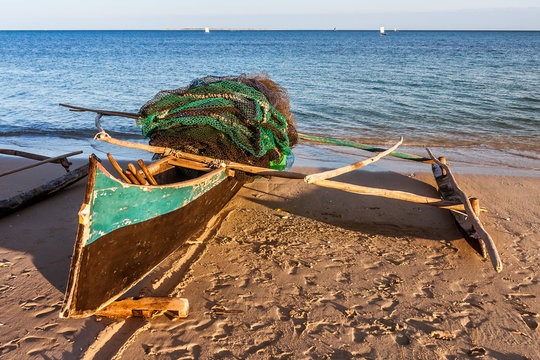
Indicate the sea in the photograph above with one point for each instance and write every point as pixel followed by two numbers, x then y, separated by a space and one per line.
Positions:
pixel 472 96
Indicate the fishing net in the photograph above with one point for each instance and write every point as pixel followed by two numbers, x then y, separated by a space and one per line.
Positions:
pixel 244 118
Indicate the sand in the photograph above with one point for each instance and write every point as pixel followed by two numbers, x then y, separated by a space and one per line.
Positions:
pixel 292 271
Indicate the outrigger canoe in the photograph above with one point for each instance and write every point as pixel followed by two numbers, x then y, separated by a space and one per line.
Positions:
pixel 125 230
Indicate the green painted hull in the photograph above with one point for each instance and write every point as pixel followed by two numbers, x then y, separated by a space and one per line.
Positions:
pixel 126 230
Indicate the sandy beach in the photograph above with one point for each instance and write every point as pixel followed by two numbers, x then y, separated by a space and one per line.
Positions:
pixel 292 271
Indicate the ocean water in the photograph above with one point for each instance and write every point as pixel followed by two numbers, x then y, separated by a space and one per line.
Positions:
pixel 474 95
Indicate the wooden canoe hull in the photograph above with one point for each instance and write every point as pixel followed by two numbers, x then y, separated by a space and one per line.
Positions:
pixel 127 230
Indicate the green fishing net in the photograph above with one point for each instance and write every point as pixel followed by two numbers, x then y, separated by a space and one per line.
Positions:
pixel 244 118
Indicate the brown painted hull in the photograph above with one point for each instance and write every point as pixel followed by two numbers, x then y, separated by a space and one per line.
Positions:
pixel 104 269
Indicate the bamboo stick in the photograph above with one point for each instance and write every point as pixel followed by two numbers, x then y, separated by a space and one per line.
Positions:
pixel 488 241
pixel 137 175
pixel 345 169
pixel 41 163
pixel 118 168
pixel 146 172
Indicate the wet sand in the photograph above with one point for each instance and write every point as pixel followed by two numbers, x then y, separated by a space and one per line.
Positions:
pixel 292 271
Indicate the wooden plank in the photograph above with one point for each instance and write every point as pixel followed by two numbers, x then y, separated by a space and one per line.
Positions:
pixel 14 203
pixel 450 188
pixel 145 307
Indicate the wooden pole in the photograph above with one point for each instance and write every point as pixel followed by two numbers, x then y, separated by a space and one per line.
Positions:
pixel 345 169
pixel 103 112
pixel 195 165
pixel 64 162
pixel 118 168
pixel 488 241
pixel 41 163
pixel 132 177
pixel 146 172
pixel 137 175
pixel 357 189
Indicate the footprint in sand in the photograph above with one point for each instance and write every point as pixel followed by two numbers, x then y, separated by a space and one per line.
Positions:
pixel 310 280
pixel 343 277
pixel 224 331
pixel 46 311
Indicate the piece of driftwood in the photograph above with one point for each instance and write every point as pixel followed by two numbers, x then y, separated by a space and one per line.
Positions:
pixel 345 169
pixel 118 168
pixel 64 161
pixel 486 240
pixel 145 307
pixel 48 160
pixel 146 172
pixel 14 203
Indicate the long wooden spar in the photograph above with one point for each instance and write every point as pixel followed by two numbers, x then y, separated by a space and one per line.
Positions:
pixel 358 189
pixel 304 137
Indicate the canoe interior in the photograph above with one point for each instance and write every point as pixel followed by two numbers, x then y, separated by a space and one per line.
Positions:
pixel 106 265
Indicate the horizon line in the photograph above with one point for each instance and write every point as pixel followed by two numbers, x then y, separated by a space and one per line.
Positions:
pixel 263 29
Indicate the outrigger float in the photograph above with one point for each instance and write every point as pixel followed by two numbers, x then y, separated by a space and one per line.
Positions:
pixel 130 223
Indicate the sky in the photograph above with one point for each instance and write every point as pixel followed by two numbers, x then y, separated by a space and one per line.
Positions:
pixel 275 14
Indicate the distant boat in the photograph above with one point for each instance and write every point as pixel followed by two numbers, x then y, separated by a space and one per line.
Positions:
pixel 395 30
pixel 207 30
pixel 382 30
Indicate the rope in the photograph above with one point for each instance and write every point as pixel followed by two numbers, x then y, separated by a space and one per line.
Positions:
pixel 399 155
